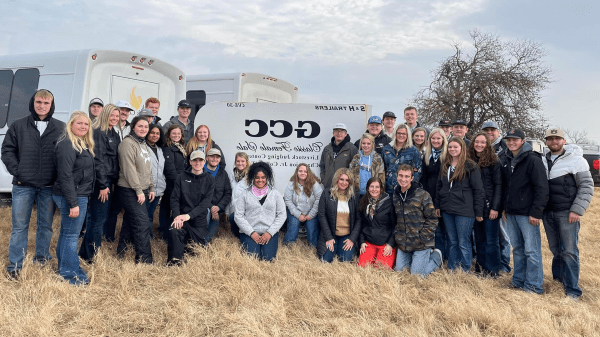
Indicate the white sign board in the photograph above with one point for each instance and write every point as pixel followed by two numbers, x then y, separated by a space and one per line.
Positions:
pixel 283 135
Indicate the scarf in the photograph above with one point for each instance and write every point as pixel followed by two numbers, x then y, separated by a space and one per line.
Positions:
pixel 260 192
pixel 238 175
pixel 372 205
pixel 435 154
pixel 181 148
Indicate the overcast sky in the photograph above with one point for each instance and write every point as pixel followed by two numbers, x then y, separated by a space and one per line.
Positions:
pixel 341 51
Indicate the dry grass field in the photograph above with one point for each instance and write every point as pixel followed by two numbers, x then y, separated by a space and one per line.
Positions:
pixel 222 291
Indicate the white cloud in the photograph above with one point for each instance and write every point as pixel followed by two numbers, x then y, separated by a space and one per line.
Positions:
pixel 330 31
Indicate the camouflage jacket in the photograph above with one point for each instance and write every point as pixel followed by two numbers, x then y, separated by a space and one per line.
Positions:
pixel 416 221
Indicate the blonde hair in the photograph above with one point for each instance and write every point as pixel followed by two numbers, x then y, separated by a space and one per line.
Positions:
pixel 101 122
pixel 422 146
pixel 429 147
pixel 43 93
pixel 79 143
pixel 193 143
pixel 349 193
pixel 244 156
pixel 408 142
pixel 369 137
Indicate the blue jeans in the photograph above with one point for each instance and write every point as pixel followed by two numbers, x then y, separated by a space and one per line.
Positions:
pixel 293 225
pixel 264 252
pixel 95 221
pixel 441 238
pixel 235 230
pixel 420 262
pixel 504 246
pixel 527 253
pixel 66 248
pixel 487 243
pixel 23 198
pixel 459 229
pixel 213 226
pixel 562 239
pixel 338 250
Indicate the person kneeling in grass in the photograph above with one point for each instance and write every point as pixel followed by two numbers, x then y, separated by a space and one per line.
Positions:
pixel 416 223
pixel 190 201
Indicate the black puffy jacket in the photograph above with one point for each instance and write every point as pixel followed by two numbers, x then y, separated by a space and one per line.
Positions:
pixel 175 164
pixel 106 146
pixel 222 195
pixel 76 173
pixel 379 229
pixel 328 217
pixel 465 197
pixel 492 184
pixel 525 183
pixel 27 155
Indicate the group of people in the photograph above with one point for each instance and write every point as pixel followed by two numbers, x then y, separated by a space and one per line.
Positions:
pixel 402 196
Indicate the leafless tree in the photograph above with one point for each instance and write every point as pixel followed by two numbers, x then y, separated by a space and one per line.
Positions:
pixel 497 80
pixel 577 136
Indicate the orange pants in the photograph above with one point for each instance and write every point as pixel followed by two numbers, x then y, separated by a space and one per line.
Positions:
pixel 373 254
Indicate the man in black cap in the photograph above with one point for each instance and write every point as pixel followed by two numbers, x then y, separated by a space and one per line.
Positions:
pixel 389 122
pixel 460 129
pixel 525 196
pixel 184 109
pixel 446 125
pixel 95 108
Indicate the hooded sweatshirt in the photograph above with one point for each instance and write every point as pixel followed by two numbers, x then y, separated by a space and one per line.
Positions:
pixel 29 154
pixel 335 157
pixel 135 162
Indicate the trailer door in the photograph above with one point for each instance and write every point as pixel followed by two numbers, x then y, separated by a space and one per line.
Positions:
pixel 132 90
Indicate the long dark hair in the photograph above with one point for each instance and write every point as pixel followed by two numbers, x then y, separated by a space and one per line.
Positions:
pixel 364 201
pixel 263 167
pixel 487 157
pixel 159 143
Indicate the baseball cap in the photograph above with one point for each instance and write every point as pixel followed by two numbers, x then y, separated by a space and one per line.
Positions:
pixel 445 122
pixel 197 154
pixel 374 120
pixel 145 113
pixel 490 124
pixel 459 122
pixel 554 132
pixel 515 133
pixel 340 126
pixel 389 114
pixel 184 103
pixel 214 152
pixel 96 101
pixel 124 104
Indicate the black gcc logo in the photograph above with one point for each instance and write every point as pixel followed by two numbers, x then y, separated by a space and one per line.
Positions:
pixel 288 129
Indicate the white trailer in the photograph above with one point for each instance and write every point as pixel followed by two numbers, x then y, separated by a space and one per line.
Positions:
pixel 238 87
pixel 75 77
pixel 283 135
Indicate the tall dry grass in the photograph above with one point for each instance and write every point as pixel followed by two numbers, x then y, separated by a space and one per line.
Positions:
pixel 222 291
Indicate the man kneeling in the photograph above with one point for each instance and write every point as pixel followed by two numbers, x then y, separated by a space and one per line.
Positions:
pixel 190 201
pixel 416 223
